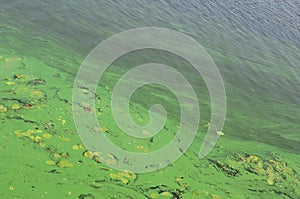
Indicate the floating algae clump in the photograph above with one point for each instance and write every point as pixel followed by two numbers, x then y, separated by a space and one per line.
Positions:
pixel 20 76
pixel 274 170
pixel 50 162
pixel 225 168
pixel 15 107
pixel 64 164
pixel 32 135
pixel 47 135
pixel 9 83
pixel 3 109
pixel 36 82
pixel 77 147
pixel 124 176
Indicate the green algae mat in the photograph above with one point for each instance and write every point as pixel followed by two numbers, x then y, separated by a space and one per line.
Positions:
pixel 42 155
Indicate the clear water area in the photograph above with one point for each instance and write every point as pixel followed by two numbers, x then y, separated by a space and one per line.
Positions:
pixel 256 47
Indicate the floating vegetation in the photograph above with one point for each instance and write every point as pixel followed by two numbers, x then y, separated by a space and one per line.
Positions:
pixel 99 158
pixel 36 82
pixel 154 195
pixel 65 139
pixel 50 162
pixel 207 195
pixel 9 83
pixel 219 133
pixel 27 133
pixel 163 191
pixel 125 176
pixel 274 170
pixel 86 196
pixel 64 164
pixel 104 129
pixel 26 105
pixel 88 154
pixel 32 135
pixel 15 106
pixel 47 135
pixel 7 59
pixel 77 147
pixel 3 109
pixel 36 93
pixel 167 194
pixel 225 168
pixel 142 148
pixel 19 76
pixel 58 149
pixel 49 125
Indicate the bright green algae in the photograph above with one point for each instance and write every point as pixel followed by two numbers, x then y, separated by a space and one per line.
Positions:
pixel 42 155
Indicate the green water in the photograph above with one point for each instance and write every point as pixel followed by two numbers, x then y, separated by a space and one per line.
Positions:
pixel 42 45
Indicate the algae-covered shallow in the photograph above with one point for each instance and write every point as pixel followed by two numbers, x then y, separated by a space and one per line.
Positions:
pixel 42 155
